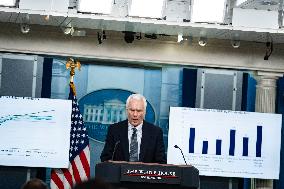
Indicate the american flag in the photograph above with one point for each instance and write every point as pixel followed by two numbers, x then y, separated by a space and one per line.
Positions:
pixel 79 153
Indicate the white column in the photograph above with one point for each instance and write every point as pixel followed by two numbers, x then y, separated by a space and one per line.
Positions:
pixel 265 102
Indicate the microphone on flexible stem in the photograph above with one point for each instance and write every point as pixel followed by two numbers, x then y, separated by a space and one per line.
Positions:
pixel 176 146
pixel 114 149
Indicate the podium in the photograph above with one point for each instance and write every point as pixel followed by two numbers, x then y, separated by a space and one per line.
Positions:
pixel 137 175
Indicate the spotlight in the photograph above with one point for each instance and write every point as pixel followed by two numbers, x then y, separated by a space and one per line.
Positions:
pixel 202 41
pixel 128 36
pixel 235 39
pixel 78 33
pixel 269 49
pixel 68 30
pixel 46 18
pixel 99 38
pixel 186 40
pixel 235 43
pixel 151 36
pixel 25 28
pixel 139 37
pixel 104 35
pixel 180 38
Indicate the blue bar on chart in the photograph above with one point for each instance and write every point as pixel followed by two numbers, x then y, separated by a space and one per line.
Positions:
pixel 218 146
pixel 191 140
pixel 205 147
pixel 258 141
pixel 232 142
pixel 245 146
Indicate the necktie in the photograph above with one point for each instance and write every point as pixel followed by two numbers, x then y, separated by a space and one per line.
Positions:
pixel 133 154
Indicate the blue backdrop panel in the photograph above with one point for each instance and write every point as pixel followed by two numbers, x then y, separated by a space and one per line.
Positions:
pixel 279 184
pixel 189 87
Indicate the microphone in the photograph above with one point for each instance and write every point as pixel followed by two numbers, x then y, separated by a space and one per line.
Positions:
pixel 114 149
pixel 176 146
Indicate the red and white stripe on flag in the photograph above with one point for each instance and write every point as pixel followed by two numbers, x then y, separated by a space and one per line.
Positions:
pixel 78 171
pixel 79 153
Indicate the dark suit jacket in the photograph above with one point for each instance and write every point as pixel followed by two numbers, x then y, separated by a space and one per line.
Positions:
pixel 152 149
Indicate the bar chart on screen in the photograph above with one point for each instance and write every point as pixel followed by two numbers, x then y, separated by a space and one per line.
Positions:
pixel 226 143
pixel 232 143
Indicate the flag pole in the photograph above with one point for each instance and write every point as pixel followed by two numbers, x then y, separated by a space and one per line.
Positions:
pixel 79 152
pixel 72 65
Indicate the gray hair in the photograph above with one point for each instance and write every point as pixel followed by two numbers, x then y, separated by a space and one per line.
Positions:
pixel 137 97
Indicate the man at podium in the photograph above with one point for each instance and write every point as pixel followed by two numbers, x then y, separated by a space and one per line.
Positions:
pixel 134 139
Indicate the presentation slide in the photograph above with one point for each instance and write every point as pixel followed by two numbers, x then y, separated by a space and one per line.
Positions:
pixel 226 143
pixel 35 132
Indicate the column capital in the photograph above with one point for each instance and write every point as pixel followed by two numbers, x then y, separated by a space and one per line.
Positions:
pixel 266 91
pixel 268 74
pixel 266 79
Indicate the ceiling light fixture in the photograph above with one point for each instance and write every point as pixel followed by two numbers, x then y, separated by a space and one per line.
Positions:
pixel 78 33
pixel 99 36
pixel 68 30
pixel 203 38
pixel 128 36
pixel 139 37
pixel 104 35
pixel 235 40
pixel 151 36
pixel 180 38
pixel 187 40
pixel 25 28
pixel 184 39
pixel 202 41
pixel 269 49
pixel 235 43
pixel 46 18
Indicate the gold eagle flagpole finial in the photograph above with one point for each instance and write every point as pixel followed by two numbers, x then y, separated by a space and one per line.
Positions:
pixel 72 65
